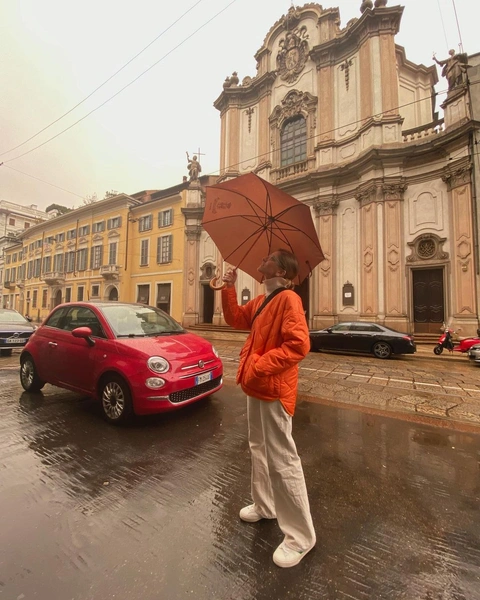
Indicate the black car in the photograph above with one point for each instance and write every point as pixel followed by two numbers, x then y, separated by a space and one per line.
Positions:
pixel 361 336
pixel 14 331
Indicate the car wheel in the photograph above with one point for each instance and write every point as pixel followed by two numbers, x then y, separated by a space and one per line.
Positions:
pixel 382 350
pixel 7 352
pixel 29 378
pixel 438 349
pixel 116 399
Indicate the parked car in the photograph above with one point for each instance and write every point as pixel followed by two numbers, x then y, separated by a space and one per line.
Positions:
pixel 474 353
pixel 362 336
pixel 15 330
pixel 134 359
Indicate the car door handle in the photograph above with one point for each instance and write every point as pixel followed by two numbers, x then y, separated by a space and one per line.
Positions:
pixel 53 344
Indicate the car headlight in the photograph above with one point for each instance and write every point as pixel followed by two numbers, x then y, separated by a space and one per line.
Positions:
pixel 214 351
pixel 158 364
pixel 154 383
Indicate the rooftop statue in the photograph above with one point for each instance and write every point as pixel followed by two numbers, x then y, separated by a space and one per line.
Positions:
pixel 454 68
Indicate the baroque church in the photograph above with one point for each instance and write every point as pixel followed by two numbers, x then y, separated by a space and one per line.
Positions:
pixel 341 119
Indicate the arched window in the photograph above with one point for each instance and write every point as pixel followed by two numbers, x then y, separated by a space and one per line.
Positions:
pixel 293 141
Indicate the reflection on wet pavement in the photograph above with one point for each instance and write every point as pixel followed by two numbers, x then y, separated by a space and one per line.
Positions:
pixel 90 511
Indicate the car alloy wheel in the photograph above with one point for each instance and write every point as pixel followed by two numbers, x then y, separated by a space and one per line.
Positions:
pixel 116 399
pixel 28 375
pixel 382 350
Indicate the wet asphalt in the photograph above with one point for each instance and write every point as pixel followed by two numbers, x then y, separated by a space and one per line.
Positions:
pixel 150 511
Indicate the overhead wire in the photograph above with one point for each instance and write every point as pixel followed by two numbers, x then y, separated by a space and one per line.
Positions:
pixel 259 156
pixel 125 86
pixel 104 83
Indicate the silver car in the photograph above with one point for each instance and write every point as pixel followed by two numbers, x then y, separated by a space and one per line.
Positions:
pixel 474 353
pixel 15 331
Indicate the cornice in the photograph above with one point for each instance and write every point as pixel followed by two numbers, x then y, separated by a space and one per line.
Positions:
pixel 372 23
pixel 249 93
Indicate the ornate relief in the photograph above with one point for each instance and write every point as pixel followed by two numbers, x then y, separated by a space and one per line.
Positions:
pixel 293 54
pixel 346 67
pixel 193 233
pixel 367 195
pixel 427 247
pixel 394 191
pixel 249 112
pixel 207 272
pixel 457 177
pixel 325 207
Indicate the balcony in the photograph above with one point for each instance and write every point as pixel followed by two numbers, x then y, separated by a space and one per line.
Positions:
pixel 110 272
pixel 54 278
pixel 9 285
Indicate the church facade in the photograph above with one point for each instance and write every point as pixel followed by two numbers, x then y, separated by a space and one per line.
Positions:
pixel 340 119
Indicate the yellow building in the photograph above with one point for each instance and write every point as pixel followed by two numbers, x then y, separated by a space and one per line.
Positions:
pixel 127 248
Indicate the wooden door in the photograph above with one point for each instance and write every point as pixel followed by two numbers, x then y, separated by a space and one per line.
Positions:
pixel 428 300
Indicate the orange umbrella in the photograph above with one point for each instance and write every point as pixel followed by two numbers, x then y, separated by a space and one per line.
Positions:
pixel 248 218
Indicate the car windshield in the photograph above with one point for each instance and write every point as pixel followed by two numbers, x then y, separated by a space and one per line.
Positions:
pixel 7 316
pixel 140 321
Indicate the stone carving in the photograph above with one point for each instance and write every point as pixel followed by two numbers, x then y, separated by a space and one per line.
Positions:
pixel 346 67
pixel 194 167
pixel 427 246
pixel 454 68
pixel 366 4
pixel 380 3
pixel 293 54
pixel 325 207
pixel 249 112
pixel 456 177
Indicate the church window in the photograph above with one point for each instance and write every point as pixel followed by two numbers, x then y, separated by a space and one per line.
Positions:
pixel 293 141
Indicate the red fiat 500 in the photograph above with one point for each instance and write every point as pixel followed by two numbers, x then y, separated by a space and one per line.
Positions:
pixel 134 358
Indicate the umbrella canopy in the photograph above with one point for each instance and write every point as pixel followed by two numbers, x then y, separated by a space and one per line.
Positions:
pixel 248 218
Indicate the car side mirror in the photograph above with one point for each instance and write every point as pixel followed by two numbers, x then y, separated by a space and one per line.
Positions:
pixel 85 333
pixel 329 329
pixel 29 319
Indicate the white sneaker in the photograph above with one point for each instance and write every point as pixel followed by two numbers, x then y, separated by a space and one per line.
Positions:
pixel 286 557
pixel 250 514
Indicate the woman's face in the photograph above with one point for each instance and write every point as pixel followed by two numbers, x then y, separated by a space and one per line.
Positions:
pixel 269 267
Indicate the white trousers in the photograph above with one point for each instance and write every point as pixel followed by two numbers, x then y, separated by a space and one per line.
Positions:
pixel 278 484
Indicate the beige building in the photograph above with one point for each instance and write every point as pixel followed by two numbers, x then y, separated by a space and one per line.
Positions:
pixel 343 121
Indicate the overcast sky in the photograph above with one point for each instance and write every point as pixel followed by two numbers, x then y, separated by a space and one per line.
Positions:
pixel 56 52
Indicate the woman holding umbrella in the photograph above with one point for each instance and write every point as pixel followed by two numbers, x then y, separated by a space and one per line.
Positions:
pixel 268 374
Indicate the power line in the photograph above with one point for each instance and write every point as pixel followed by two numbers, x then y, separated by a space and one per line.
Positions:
pixel 125 86
pixel 42 180
pixel 104 83
pixel 458 26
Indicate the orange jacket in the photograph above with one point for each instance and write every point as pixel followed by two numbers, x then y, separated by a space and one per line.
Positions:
pixel 278 341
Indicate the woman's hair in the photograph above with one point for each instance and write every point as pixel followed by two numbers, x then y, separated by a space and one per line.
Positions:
pixel 289 263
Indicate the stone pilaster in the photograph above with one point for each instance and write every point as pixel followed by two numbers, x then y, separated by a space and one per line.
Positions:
pixel 458 180
pixel 323 278
pixel 367 197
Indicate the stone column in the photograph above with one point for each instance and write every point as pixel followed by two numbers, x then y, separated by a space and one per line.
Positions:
pixel 323 278
pixel 392 280
pixel 463 260
pixel 193 213
pixel 368 305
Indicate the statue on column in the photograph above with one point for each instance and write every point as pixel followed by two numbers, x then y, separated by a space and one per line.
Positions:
pixel 194 168
pixel 454 68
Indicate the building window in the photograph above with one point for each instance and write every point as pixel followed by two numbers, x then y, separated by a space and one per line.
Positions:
pixel 14 257
pixel 71 234
pixel 112 253
pixel 165 218
pixel 57 263
pixel 27 225
pixel 84 230
pixel 13 274
pixel 143 294
pixel 80 293
pixel 114 223
pixel 29 269
pixel 47 264
pixel 98 227
pixel 144 253
pixel 34 298
pixel 7 275
pixel 36 267
pixel 145 223
pixel 49 240
pixel 11 222
pixel 95 291
pixel 164 249
pixel 60 237
pixel 8 259
pixel 293 141
pixel 96 257
pixel 70 262
pixel 82 258
pixel 68 294
pixel 44 298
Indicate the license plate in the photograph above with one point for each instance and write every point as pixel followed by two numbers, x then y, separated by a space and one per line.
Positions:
pixel 203 378
pixel 14 341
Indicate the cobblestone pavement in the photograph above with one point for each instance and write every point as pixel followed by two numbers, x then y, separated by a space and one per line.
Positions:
pixel 445 388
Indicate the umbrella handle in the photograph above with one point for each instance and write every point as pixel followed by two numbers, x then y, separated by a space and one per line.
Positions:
pixel 216 287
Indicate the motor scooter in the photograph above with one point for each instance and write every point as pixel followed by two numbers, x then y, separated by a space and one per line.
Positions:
pixel 446 341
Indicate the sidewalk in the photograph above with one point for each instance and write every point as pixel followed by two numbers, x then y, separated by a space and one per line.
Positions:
pixel 441 389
